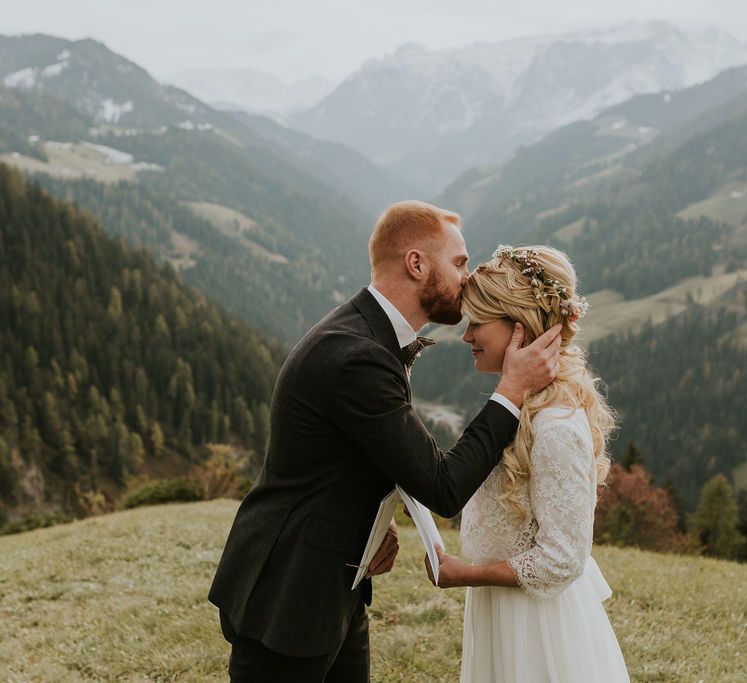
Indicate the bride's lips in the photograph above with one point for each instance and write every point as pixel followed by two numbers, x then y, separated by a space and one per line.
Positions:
pixel 476 351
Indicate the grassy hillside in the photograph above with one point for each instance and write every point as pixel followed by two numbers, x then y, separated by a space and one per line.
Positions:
pixel 122 597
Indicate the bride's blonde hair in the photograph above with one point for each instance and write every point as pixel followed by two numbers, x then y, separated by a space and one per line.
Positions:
pixel 506 287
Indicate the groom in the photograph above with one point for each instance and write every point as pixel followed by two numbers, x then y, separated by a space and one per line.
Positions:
pixel 342 433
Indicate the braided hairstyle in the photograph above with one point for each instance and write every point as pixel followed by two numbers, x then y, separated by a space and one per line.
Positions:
pixel 509 286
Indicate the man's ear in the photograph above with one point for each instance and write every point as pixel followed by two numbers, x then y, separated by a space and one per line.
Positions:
pixel 415 264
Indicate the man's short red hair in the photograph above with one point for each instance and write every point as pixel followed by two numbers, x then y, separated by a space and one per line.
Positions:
pixel 407 225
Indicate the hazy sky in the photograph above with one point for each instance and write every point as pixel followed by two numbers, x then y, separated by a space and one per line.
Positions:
pixel 297 38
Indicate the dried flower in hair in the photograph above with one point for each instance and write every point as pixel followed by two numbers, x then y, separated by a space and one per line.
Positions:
pixel 574 307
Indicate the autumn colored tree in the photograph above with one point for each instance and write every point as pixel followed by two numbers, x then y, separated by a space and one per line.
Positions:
pixel 632 511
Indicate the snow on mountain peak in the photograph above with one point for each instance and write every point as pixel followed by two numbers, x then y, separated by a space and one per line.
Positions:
pixel 29 77
pixel 54 69
pixel 483 100
pixel 23 78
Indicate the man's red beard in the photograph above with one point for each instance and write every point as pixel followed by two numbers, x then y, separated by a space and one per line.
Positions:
pixel 436 301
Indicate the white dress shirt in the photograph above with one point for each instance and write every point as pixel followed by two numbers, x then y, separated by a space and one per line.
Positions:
pixel 406 335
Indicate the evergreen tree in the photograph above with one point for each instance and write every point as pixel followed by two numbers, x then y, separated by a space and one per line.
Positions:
pixel 742 519
pixel 7 475
pixel 715 520
pixel 632 457
pixel 679 505
pixel 156 440
pixel 102 352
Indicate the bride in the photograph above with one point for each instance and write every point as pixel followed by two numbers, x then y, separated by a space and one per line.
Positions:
pixel 533 611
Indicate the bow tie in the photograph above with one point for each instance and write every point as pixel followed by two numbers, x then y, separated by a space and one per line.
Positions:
pixel 412 350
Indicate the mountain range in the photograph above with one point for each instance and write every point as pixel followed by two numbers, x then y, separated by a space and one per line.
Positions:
pixel 267 221
pixel 648 196
pixel 252 91
pixel 587 159
pixel 429 115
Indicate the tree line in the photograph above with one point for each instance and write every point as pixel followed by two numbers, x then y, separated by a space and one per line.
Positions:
pixel 678 388
pixel 108 361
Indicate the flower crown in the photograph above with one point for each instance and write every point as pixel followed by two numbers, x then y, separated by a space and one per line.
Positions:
pixel 574 307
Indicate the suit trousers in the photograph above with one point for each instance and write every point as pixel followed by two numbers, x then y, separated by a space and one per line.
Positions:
pixel 252 662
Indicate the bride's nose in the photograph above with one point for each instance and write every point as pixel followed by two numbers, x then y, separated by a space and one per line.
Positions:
pixel 468 336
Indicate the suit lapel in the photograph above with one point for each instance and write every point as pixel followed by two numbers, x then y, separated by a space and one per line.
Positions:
pixel 380 326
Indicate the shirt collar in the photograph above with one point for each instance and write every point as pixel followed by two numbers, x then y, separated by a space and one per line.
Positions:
pixel 405 334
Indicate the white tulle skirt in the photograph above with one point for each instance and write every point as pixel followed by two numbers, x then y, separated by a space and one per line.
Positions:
pixel 510 636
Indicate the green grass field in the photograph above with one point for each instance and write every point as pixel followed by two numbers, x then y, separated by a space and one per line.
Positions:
pixel 123 598
pixel 233 224
pixel 610 313
pixel 728 205
pixel 70 162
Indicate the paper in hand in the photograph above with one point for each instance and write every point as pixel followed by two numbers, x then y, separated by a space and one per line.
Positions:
pixel 380 526
pixel 426 527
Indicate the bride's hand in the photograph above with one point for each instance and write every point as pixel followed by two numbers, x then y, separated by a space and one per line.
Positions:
pixel 452 572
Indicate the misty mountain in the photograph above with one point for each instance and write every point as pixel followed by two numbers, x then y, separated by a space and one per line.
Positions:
pixel 253 91
pixel 265 224
pixel 85 76
pixel 99 84
pixel 587 158
pixel 429 115
pixel 349 172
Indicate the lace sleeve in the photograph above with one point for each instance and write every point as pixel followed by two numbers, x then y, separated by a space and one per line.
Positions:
pixel 562 491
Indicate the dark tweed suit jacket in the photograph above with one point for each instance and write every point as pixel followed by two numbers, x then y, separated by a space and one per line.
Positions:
pixel 342 433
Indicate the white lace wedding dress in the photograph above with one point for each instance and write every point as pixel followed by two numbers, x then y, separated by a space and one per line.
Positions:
pixel 553 629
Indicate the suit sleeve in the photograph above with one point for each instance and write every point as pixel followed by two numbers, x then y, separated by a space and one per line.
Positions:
pixel 371 405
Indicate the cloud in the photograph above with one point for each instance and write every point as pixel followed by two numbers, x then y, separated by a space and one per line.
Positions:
pixel 295 38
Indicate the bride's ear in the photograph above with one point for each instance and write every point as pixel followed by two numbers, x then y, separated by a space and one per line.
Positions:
pixel 518 337
pixel 525 339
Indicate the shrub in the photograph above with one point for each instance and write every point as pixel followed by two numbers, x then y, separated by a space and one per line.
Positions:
pixel 164 491
pixel 632 511
pixel 222 475
pixel 35 522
